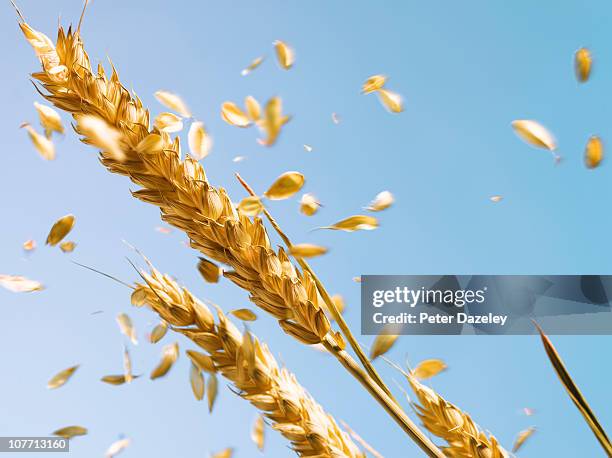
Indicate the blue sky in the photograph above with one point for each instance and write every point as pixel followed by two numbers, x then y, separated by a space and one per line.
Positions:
pixel 465 69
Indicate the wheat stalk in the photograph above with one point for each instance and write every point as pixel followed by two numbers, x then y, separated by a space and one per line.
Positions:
pixel 187 201
pixel 447 421
pixel 251 368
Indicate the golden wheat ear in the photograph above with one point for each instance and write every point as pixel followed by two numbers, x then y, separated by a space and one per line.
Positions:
pixel 574 392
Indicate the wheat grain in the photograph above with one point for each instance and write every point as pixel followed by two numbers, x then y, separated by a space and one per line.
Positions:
pixel 445 420
pixel 251 368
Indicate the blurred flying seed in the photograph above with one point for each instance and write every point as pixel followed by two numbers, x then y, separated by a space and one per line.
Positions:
pixel 127 366
pixel 251 206
pixel 309 204
pixel 29 245
pixel 521 438
pixel 49 119
pixel 534 133
pixel 285 186
pixel 67 247
pixel 61 377
pixel 307 250
pixel 382 344
pixel 528 411
pixel 70 431
pixel 211 391
pixel 496 199
pixel 582 64
pixel 373 84
pixel 199 141
pixel 101 135
pixel 202 361
pixel 170 354
pixel 253 108
pixel 391 101
pixel 357 279
pixel 60 229
pixel 338 301
pixel 258 432
pixel 244 314
pixel 335 118
pixel 238 159
pixel 227 453
pixel 168 123
pixel 196 380
pixel 126 327
pixel 173 102
pixel 252 66
pixel 382 201
pixel 114 379
pixel 428 368
pixel 163 230
pixel 116 448
pixel 43 145
pixel 158 332
pixel 284 54
pixel 307 148
pixel 355 223
pixel 18 284
pixel 594 152
pixel 209 270
pixel 233 115
pixel 273 121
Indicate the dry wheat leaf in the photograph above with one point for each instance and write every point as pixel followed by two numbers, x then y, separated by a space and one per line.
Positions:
pixel 373 84
pixel 168 122
pixel 29 245
pixel 285 186
pixel 158 332
pixel 101 135
pixel 196 380
pixel 521 438
pixel 594 152
pixel 251 206
pixel 496 199
pixel 391 101
pixel 199 141
pixel 307 250
pixel 534 133
pixel 170 354
pixel 67 247
pixel 126 327
pixel 382 201
pixel 43 145
pixel 127 366
pixel 244 314
pixel 253 108
pixel 252 66
pixel 355 223
pixel 209 270
pixel 60 229
pixel 227 453
pixel 309 204
pixel 212 388
pixel 284 54
pixel 70 431
pixel 114 379
pixel 273 121
pixel 49 119
pixel 428 368
pixel 382 344
pixel 173 102
pixel 61 377
pixel 202 361
pixel 258 432
pixel 233 115
pixel 582 64
pixel 116 448
pixel 18 284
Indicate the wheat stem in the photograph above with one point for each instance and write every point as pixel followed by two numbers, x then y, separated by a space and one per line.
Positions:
pixel 326 298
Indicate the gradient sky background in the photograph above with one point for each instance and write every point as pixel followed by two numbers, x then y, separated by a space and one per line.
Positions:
pixel 466 70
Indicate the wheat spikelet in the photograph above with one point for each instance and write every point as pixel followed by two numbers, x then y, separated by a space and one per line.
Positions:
pixel 447 421
pixel 251 368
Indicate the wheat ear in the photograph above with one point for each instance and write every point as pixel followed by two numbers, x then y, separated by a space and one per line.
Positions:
pixel 250 367
pixel 187 201
pixel 445 420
